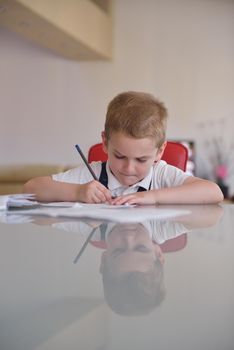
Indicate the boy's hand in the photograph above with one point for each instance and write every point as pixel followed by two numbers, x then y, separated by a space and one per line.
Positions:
pixel 146 197
pixel 93 192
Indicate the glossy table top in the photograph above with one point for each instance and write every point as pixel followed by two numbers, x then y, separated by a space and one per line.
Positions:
pixel 78 284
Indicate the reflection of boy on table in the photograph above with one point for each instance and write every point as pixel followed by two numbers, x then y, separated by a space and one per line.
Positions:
pixel 132 263
pixel 132 270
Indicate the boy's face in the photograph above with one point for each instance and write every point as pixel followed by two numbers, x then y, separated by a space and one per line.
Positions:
pixel 130 248
pixel 130 159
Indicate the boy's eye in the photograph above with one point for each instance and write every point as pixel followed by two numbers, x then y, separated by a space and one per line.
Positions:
pixel 140 160
pixel 118 251
pixel 142 248
pixel 119 157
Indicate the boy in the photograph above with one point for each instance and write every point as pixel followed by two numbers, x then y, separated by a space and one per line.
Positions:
pixel 134 139
pixel 132 263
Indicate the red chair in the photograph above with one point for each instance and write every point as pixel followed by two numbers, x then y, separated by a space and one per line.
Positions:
pixel 174 244
pixel 175 154
pixel 96 153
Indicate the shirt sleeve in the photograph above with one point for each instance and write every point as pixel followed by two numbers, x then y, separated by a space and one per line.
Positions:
pixel 163 231
pixel 166 175
pixel 77 227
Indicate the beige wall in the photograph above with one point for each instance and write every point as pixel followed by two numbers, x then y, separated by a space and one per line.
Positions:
pixel 180 50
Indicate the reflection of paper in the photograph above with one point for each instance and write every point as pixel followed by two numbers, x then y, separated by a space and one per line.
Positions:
pixel 103 206
pixel 94 211
pixel 15 218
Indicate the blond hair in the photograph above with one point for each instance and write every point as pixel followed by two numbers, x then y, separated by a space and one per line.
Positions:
pixel 135 292
pixel 138 115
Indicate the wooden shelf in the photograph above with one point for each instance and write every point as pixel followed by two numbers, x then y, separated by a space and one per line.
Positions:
pixel 75 29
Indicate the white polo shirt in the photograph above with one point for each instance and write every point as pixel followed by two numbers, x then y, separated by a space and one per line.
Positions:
pixel 160 175
pixel 159 230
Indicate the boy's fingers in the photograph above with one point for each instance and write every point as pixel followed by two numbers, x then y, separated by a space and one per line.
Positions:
pixel 103 195
pixel 121 200
pixel 128 199
pixel 106 193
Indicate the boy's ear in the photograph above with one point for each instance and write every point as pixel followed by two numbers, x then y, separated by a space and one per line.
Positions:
pixel 103 258
pixel 160 151
pixel 158 253
pixel 104 142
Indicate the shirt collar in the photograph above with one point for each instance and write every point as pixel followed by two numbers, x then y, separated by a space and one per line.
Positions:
pixel 114 184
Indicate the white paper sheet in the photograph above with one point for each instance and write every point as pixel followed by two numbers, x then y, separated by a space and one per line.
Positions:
pixel 23 200
pixel 17 200
pixel 118 214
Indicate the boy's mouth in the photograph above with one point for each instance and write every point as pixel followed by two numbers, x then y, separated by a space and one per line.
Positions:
pixel 128 180
pixel 128 175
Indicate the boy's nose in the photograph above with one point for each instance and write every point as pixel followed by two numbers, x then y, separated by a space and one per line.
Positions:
pixel 129 167
pixel 129 241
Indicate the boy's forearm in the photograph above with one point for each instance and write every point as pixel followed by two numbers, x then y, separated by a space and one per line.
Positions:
pixel 196 192
pixel 201 216
pixel 48 190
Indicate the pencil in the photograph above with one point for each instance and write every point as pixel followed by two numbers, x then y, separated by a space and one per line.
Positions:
pixel 86 162
pixel 88 166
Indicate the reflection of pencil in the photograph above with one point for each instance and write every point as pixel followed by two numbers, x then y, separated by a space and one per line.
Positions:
pixel 86 162
pixel 84 246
